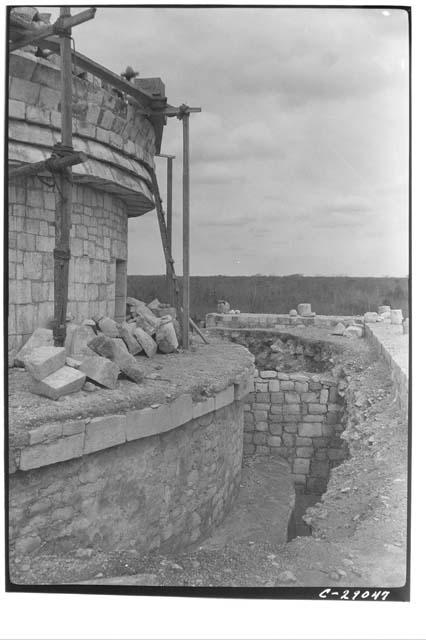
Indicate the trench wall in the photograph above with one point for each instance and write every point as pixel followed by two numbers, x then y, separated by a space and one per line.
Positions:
pixel 154 477
pixel 298 417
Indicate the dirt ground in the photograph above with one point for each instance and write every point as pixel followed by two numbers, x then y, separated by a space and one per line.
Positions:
pixel 358 527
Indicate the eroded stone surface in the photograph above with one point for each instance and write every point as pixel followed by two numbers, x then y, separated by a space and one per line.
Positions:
pixel 63 381
pixel 40 338
pixel 45 360
pixel 100 370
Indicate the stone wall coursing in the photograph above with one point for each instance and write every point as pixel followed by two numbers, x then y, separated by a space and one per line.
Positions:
pixel 98 239
pixel 298 417
pixel 161 491
pixel 275 320
pixel 393 346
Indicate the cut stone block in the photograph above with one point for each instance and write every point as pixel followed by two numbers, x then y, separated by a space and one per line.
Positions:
pixel 166 336
pixel 149 346
pixel 396 316
pixel 121 345
pixel 73 362
pixel 109 327
pixel 154 304
pixel 63 381
pixel 339 329
pixel 107 347
pixel 293 313
pixel 371 316
pixel 45 360
pixel 100 370
pixel 304 309
pixel 353 331
pixel 40 338
pixel 79 342
pixel 384 308
pixel 125 332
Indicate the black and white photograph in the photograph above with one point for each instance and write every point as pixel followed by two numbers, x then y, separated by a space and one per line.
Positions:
pixel 208 306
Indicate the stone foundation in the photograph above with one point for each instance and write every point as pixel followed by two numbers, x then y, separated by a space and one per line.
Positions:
pixel 151 478
pixel 299 417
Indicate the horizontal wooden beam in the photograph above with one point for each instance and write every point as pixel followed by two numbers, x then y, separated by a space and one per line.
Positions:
pixel 54 29
pixel 51 164
pixel 86 64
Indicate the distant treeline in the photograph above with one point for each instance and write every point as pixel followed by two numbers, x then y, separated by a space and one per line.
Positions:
pixel 279 294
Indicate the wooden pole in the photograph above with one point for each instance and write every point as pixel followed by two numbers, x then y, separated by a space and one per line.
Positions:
pixel 52 164
pixel 61 252
pixel 169 228
pixel 185 230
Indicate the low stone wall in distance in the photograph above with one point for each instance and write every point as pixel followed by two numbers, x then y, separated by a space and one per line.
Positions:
pixel 299 417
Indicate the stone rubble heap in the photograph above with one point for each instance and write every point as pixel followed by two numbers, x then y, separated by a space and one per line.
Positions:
pixel 99 350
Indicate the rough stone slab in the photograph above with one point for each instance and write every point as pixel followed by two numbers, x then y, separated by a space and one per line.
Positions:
pixel 148 345
pixel 243 388
pixel 45 433
pixel 108 327
pixel 165 336
pixel 268 374
pixel 125 332
pixel 80 339
pixel 353 331
pixel 40 338
pixel 202 408
pixel 181 409
pixel 104 432
pixel 225 397
pixel 63 381
pixel 338 329
pixel 43 361
pixel 73 362
pixel 62 449
pixel 146 422
pixel 72 427
pixel 108 348
pixel 100 370
pixel 371 316
pixel 310 430
pixel 304 309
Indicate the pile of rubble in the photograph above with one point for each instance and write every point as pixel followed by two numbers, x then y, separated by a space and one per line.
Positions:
pixel 99 350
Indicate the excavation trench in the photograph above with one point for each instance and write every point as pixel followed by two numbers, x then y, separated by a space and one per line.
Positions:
pixel 296 412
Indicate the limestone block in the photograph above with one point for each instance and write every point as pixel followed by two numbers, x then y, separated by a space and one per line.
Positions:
pixel 304 309
pixel 274 385
pixel 317 408
pixel 40 338
pixel 45 360
pixel 181 410
pixel 309 396
pixel 261 426
pixel 320 469
pixel 310 430
pixel 73 362
pixel 286 385
pixel 293 313
pixel 304 452
pixel 268 374
pixel 146 422
pixel 301 387
pixel 104 432
pixel 125 332
pixel 384 308
pixel 243 388
pixel 81 336
pixel 108 326
pixel 276 429
pixel 274 441
pixel 371 317
pixel 165 336
pixel 353 331
pixel 121 345
pixel 107 347
pixel 338 329
pixel 226 397
pixel 301 466
pixel 148 345
pixel 323 396
pixel 100 370
pixel 292 397
pixel 207 406
pixel 64 381
pixel 60 450
pixel 45 433
pixel 396 316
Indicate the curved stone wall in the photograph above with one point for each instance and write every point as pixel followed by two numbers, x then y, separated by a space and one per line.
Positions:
pixel 151 478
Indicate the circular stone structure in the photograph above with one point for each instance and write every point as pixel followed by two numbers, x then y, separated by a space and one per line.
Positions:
pixel 112 185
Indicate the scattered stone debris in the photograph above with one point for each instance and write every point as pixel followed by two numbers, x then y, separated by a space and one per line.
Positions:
pixel 353 331
pixel 339 329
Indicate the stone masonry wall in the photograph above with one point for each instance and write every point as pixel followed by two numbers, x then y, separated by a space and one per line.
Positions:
pixel 164 490
pixel 298 417
pixel 98 239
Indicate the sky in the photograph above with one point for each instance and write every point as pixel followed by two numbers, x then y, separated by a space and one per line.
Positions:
pixel 299 158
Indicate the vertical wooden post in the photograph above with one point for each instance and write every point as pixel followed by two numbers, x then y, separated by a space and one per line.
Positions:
pixel 170 283
pixel 185 229
pixel 61 252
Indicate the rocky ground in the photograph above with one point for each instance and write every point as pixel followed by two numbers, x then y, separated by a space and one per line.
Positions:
pixel 358 527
